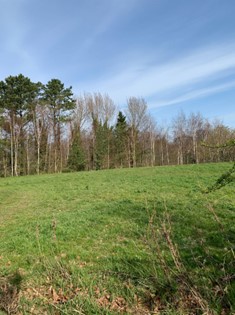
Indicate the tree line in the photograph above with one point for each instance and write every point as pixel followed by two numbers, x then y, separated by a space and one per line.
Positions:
pixel 44 128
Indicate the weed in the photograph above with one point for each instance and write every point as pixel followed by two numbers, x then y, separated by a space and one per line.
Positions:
pixel 174 285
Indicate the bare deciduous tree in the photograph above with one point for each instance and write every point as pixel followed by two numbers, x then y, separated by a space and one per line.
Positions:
pixel 137 118
pixel 179 131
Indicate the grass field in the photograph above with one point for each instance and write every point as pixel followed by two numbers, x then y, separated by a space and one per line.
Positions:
pixel 129 241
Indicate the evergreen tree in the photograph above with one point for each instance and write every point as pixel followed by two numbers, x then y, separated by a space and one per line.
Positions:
pixel 16 95
pixel 101 153
pixel 60 102
pixel 76 159
pixel 121 134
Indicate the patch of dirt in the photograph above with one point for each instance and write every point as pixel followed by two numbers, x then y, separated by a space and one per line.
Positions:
pixel 10 293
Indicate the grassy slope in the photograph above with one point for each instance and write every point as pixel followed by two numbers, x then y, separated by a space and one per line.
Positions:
pixel 83 234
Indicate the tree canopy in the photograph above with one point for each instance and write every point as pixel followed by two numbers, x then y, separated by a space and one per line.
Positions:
pixel 44 128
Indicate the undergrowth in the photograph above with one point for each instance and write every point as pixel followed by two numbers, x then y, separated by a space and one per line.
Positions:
pixel 175 286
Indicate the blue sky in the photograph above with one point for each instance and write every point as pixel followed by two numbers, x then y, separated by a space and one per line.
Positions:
pixel 177 54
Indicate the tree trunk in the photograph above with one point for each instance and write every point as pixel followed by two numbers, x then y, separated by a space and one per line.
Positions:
pixel 55 143
pixel 12 148
pixel 152 144
pixel 27 156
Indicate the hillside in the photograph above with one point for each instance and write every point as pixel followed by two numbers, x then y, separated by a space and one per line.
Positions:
pixel 129 241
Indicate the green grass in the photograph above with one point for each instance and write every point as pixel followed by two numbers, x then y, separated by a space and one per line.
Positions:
pixel 81 243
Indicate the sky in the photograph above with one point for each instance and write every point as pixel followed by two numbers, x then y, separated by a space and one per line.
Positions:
pixel 179 55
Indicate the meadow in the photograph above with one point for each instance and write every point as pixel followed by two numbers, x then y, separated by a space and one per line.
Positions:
pixel 122 241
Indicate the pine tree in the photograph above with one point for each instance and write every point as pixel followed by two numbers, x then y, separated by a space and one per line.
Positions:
pixel 60 102
pixel 16 96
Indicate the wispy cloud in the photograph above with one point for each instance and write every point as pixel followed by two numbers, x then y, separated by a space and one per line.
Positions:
pixel 59 41
pixel 44 40
pixel 112 11
pixel 173 79
pixel 197 93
